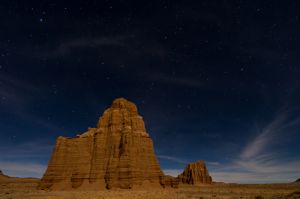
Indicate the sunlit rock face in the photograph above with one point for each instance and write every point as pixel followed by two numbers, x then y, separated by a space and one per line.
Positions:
pixel 118 153
pixel 195 173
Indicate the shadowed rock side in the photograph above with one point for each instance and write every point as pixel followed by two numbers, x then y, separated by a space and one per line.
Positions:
pixel 118 153
pixel 169 181
pixel 195 173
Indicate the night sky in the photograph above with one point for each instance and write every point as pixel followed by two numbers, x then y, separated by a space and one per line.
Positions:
pixel 214 80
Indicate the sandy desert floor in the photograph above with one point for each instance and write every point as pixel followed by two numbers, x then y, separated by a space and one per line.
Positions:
pixel 26 190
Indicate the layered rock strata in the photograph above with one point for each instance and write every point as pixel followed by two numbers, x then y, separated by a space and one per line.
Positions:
pixel 169 181
pixel 195 173
pixel 117 153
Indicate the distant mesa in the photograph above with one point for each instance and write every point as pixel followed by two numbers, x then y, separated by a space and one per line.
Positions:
pixel 117 153
pixel 298 180
pixel 2 176
pixel 195 173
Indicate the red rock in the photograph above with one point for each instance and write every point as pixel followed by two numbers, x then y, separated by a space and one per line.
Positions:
pixel 195 173
pixel 169 181
pixel 118 153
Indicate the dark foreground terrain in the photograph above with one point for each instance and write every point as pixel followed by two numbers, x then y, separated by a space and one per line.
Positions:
pixel 14 188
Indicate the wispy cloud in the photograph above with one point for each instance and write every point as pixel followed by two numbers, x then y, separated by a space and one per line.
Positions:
pixel 265 138
pixel 252 178
pixel 213 163
pixel 17 98
pixel 67 47
pixel 129 44
pixel 173 159
pixel 260 162
pixel 15 91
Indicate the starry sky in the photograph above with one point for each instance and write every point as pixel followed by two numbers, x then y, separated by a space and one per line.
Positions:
pixel 214 80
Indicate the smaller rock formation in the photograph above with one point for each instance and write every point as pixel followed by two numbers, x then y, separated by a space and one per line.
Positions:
pixel 2 176
pixel 298 180
pixel 195 173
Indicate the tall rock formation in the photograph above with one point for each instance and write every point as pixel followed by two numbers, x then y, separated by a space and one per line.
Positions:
pixel 195 173
pixel 118 153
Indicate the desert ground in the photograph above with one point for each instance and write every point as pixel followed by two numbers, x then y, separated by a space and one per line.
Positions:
pixel 26 189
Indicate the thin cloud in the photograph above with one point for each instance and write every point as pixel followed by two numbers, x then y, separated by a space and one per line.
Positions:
pixel 17 99
pixel 15 91
pixel 69 46
pixel 260 162
pixel 131 44
pixel 213 163
pixel 269 164
pixel 252 178
pixel 259 170
pixel 264 139
pixel 173 159
pixel 273 133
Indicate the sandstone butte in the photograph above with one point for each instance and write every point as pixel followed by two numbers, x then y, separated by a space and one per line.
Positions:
pixel 118 153
pixel 195 173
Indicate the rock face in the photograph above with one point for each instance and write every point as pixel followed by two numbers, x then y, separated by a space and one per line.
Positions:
pixel 169 181
pixel 117 153
pixel 195 173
